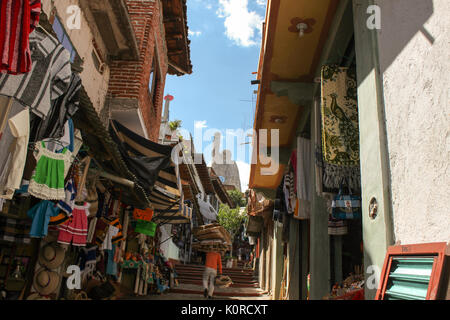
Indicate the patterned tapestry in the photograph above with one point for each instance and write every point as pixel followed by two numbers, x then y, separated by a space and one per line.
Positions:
pixel 340 131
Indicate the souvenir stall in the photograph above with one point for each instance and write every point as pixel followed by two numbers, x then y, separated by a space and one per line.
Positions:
pixel 337 180
pixel 338 174
pixel 39 145
pixel 67 192
pixel 152 272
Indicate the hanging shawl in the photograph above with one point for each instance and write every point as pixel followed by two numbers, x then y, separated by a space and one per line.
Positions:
pixel 340 131
pixel 304 179
pixel 206 209
pixel 48 79
pixel 18 18
pixel 61 111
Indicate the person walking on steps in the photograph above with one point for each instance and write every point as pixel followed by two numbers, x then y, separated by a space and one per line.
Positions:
pixel 213 261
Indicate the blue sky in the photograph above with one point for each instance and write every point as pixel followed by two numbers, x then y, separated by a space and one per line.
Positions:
pixel 225 44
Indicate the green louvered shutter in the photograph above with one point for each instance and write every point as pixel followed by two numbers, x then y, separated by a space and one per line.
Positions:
pixel 409 278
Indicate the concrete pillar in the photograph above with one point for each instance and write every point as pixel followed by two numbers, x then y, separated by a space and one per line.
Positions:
pixel 319 240
pixel 262 260
pixel 277 261
pixel 375 175
pixel 304 257
pixel 295 270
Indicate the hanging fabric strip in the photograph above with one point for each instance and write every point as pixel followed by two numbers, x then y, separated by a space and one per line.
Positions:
pixel 340 128
pixel 18 18
pixel 304 178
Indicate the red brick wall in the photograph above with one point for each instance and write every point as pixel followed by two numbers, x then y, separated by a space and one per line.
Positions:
pixel 130 79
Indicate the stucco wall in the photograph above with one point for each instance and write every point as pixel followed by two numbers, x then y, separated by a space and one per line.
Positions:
pixel 95 83
pixel 414 56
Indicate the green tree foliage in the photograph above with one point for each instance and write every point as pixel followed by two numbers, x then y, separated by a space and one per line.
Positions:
pixel 174 125
pixel 237 197
pixel 231 219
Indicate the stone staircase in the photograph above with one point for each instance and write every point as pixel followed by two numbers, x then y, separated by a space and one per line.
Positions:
pixel 245 283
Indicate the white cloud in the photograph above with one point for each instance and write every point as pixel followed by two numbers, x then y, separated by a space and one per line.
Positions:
pixel 261 3
pixel 194 33
pixel 240 23
pixel 244 174
pixel 200 124
pixel 206 3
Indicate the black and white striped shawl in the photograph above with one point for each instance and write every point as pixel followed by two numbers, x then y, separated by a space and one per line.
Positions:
pixel 48 78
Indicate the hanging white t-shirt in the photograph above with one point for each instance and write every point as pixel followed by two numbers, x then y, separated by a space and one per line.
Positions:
pixel 20 129
pixel 107 243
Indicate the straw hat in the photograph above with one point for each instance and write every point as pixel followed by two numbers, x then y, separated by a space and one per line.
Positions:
pixel 51 255
pixel 37 296
pixel 45 282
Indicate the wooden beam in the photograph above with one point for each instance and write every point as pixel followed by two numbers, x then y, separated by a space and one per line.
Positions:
pixel 299 93
pixel 172 19
pixel 114 178
pixel 175 35
pixel 177 68
pixel 175 52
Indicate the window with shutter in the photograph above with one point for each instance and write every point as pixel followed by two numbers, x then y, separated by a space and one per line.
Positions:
pixel 412 272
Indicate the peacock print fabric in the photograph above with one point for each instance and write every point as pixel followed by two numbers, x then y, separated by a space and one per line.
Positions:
pixel 340 130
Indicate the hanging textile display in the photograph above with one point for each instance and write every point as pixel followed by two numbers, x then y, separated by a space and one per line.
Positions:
pixel 41 214
pixel 346 205
pixel 63 109
pixel 289 189
pixel 48 78
pixel 340 128
pixel 336 227
pixel 75 230
pixel 328 176
pixel 18 18
pixel 304 178
pixel 51 169
pixel 13 145
pixel 15 230
pixel 145 227
pixel 68 203
pixel 206 209
pixel 87 261
pixel 146 214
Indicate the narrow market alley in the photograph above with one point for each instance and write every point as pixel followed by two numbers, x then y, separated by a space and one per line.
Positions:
pixel 224 150
pixel 244 287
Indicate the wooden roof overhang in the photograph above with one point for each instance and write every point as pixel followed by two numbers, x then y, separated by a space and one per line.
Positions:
pixel 286 73
pixel 203 173
pixel 115 27
pixel 177 40
pixel 220 189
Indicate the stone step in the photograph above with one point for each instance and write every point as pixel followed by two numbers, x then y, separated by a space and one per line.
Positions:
pixel 222 292
pixel 224 272
pixel 201 268
pixel 235 275
pixel 234 285
pixel 236 281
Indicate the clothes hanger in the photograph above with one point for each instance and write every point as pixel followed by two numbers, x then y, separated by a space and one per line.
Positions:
pixel 32 144
pixel 39 27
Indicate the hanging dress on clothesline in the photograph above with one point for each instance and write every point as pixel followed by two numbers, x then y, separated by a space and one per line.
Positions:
pixel 48 180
